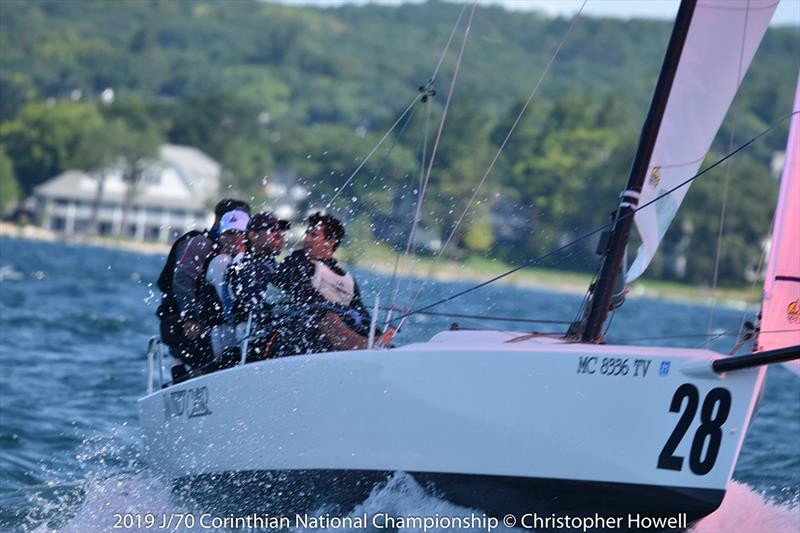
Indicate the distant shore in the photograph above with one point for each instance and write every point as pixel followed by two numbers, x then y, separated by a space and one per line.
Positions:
pixel 35 233
pixel 382 260
pixel 478 270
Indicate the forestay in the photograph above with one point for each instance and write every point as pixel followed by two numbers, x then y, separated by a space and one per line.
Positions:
pixel 722 40
pixel 780 309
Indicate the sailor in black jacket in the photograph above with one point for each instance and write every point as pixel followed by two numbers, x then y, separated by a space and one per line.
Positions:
pixel 325 308
pixel 251 276
pixel 182 326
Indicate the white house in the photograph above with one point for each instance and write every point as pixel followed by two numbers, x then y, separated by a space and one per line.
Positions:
pixel 175 194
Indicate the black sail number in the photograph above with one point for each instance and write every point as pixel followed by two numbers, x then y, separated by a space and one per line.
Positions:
pixel 710 428
pixel 714 413
pixel 667 460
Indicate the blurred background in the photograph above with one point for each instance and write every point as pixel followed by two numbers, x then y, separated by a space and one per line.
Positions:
pixel 128 120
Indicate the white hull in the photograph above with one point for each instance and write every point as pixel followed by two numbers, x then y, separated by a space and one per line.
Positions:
pixel 467 404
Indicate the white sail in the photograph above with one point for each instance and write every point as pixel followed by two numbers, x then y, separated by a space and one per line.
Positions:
pixel 722 40
pixel 780 308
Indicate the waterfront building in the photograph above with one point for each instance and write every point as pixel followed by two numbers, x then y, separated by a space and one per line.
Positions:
pixel 175 193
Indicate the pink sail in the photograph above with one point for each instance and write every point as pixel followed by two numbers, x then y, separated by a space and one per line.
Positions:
pixel 780 309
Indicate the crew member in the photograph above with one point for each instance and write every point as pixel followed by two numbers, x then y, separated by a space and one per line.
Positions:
pixel 250 278
pixel 180 311
pixel 216 294
pixel 326 309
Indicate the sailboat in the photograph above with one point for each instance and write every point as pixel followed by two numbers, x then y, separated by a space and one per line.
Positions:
pixel 505 422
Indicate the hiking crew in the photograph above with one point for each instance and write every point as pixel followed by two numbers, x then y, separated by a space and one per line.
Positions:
pixel 214 280
pixel 216 296
pixel 251 276
pixel 180 312
pixel 326 309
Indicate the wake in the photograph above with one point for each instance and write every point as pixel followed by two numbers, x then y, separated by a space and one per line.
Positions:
pixel 743 511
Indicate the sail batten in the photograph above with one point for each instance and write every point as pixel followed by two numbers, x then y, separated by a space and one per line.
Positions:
pixel 705 85
pixel 780 307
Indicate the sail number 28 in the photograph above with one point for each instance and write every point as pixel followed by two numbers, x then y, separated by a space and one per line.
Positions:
pixel 713 414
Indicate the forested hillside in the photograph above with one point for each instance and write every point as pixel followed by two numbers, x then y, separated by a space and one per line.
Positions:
pixel 303 94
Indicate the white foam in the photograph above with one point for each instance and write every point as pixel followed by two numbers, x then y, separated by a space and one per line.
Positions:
pixel 742 511
pixel 746 511
pixel 9 273
pixel 131 495
pixel 402 496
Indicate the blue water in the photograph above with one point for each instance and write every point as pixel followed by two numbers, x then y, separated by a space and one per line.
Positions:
pixel 74 322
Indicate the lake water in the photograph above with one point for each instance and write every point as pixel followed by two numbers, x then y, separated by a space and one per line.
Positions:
pixel 74 323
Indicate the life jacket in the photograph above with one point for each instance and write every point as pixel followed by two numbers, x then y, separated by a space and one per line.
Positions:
pixel 169 305
pixel 249 280
pixel 213 308
pixel 336 288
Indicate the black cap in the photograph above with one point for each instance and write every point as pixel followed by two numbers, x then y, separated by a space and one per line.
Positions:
pixel 229 204
pixel 267 220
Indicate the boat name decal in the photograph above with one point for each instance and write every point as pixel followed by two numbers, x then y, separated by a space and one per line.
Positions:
pixel 191 403
pixel 613 366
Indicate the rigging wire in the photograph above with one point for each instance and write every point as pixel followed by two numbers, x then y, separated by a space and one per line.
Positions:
pixel 395 282
pixel 421 96
pixel 597 230
pixel 388 153
pixel 417 214
pixel 417 98
pixel 442 122
pixel 447 46
pixel 426 90
pixel 693 335
pixel 264 331
pixel 423 176
pixel 502 146
pixel 608 324
pixel 410 106
pixel 756 277
pixel 723 209
pixel 484 317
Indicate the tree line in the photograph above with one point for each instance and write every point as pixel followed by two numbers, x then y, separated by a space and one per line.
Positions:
pixel 302 94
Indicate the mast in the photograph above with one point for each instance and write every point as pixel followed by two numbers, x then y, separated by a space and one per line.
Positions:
pixel 614 253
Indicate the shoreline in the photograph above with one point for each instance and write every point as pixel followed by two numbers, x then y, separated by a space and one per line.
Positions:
pixel 383 263
pixel 576 284
pixel 35 233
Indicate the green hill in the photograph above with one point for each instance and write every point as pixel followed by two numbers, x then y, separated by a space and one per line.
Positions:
pixel 306 91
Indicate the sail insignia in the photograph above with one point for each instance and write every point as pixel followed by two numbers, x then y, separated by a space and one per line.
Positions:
pixel 655 176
